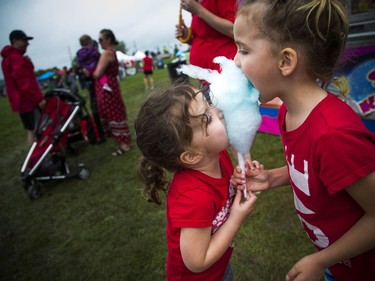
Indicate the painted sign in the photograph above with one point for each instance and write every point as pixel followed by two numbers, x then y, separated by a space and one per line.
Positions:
pixel 355 80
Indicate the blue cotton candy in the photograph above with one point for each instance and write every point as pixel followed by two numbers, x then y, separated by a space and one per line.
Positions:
pixel 235 96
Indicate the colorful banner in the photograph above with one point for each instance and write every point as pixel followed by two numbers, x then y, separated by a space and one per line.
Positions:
pixel 355 80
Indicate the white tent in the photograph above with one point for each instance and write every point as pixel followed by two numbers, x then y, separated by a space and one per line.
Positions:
pixel 124 58
pixel 127 63
pixel 139 55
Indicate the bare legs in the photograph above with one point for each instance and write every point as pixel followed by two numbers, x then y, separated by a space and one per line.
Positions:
pixel 149 82
pixel 30 137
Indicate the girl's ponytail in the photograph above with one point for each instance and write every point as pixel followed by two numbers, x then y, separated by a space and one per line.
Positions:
pixel 154 179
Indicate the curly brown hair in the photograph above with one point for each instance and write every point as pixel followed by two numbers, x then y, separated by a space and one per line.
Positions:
pixel 164 131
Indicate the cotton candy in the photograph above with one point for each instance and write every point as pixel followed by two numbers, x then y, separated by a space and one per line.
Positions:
pixel 235 96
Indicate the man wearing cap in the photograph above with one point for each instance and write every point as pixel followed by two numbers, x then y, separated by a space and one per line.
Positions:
pixel 25 96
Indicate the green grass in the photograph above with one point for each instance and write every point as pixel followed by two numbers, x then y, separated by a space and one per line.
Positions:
pixel 103 229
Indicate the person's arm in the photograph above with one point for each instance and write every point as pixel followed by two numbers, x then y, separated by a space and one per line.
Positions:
pixel 357 240
pixel 200 250
pixel 23 75
pixel 105 59
pixel 276 178
pixel 222 25
pixel 258 179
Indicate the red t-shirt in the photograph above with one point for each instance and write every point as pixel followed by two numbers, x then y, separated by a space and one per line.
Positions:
pixel 147 63
pixel 207 43
pixel 199 201
pixel 331 150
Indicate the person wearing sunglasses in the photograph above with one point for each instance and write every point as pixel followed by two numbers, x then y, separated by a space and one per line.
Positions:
pixel 112 110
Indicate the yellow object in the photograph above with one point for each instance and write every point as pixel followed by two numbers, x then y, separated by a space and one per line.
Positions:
pixel 342 84
pixel 189 31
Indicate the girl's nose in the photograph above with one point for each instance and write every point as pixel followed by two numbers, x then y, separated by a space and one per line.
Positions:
pixel 237 60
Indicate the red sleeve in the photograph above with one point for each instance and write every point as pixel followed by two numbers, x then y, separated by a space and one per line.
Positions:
pixel 228 9
pixel 351 156
pixel 23 74
pixel 193 208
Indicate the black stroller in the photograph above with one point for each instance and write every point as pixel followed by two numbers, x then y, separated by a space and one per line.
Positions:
pixel 63 120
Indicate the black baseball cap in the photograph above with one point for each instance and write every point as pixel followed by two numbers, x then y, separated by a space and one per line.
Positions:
pixel 19 35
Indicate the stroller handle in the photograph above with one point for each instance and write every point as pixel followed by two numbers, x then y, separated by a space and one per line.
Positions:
pixel 66 95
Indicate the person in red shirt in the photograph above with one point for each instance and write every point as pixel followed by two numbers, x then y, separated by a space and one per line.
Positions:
pixel 148 69
pixel 24 93
pixel 284 48
pixel 212 31
pixel 178 131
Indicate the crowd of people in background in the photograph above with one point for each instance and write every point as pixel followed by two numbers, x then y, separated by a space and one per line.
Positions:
pixel 98 73
pixel 59 77
pixel 93 72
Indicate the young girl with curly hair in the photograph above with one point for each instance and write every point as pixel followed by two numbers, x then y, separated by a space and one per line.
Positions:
pixel 178 131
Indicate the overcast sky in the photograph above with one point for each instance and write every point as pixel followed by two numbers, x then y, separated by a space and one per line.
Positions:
pixel 56 25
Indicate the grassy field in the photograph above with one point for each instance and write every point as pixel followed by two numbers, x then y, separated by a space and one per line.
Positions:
pixel 101 228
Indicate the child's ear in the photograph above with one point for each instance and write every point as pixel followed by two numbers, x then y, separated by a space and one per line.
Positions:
pixel 287 61
pixel 190 158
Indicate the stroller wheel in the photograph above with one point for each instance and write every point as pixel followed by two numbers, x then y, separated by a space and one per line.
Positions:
pixel 33 191
pixel 83 172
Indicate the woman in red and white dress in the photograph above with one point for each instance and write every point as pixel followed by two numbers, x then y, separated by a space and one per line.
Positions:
pixel 111 106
